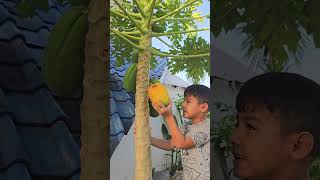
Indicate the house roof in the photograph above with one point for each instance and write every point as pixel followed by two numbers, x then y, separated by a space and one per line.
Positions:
pixel 170 79
pixel 122 109
pixel 36 140
pixel 226 67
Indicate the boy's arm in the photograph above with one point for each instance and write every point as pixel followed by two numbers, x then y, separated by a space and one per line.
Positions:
pixel 162 144
pixel 178 139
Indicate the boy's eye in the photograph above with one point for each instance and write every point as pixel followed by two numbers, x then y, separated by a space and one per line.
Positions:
pixel 250 127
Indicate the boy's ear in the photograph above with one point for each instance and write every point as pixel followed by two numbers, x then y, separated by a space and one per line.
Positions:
pixel 205 107
pixel 301 145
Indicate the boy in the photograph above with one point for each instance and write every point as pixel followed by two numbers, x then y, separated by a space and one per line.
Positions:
pixel 194 137
pixel 278 127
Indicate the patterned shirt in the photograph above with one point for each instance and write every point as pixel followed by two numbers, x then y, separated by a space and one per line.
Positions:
pixel 196 160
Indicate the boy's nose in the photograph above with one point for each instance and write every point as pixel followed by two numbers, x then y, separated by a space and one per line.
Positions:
pixel 235 137
pixel 183 104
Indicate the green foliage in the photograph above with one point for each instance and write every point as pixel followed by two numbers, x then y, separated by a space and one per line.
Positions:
pixel 178 103
pixel 314 171
pixel 175 23
pixel 220 135
pixel 273 33
pixel 196 67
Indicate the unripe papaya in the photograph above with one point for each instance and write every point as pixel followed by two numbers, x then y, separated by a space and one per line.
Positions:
pixel 129 80
pixel 154 80
pixel 158 28
pixel 160 13
pixel 158 93
pixel 64 54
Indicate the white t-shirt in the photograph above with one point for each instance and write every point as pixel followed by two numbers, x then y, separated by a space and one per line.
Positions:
pixel 196 160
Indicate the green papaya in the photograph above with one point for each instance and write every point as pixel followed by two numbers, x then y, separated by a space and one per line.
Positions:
pixel 129 80
pixel 158 28
pixel 63 70
pixel 154 80
pixel 160 13
pixel 152 111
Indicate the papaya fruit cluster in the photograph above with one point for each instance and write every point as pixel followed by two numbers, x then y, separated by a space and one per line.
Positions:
pixel 158 94
pixel 64 56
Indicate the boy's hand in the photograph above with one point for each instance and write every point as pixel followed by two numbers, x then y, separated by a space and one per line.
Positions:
pixel 162 110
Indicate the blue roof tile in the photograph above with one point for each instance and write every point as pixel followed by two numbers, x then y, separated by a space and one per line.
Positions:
pixel 35 143
pixel 25 78
pixel 52 150
pixel 17 171
pixel 37 108
pixel 3 102
pixel 11 148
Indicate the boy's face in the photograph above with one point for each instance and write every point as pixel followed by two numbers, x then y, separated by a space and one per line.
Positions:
pixel 192 107
pixel 259 148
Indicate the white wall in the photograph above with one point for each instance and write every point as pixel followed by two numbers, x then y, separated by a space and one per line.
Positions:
pixel 122 162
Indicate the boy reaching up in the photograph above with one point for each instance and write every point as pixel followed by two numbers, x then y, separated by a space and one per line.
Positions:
pixel 194 137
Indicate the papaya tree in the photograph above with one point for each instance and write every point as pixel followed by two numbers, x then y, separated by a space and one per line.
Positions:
pixel 276 30
pixel 75 55
pixel 134 25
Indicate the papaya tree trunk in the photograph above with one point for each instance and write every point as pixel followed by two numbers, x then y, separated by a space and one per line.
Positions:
pixel 143 166
pixel 95 106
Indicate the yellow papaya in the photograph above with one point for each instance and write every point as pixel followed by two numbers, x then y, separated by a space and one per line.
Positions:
pixel 158 93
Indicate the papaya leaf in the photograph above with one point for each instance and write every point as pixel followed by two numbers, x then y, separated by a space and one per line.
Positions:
pixel 195 67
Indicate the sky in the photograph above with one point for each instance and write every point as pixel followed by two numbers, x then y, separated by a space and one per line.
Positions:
pixel 204 9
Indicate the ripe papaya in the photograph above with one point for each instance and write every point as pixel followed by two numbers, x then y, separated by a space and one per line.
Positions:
pixel 158 93
pixel 152 111
pixel 129 80
pixel 158 28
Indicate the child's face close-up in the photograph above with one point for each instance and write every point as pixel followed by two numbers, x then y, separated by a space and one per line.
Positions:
pixel 191 107
pixel 259 148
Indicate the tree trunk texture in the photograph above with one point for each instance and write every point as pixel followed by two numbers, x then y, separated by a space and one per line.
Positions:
pixel 143 165
pixel 95 107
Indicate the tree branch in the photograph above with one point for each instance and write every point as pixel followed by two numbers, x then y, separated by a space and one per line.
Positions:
pixel 186 19
pixel 162 54
pixel 117 13
pixel 124 38
pixel 127 35
pixel 164 42
pixel 151 12
pixel 130 17
pixel 122 15
pixel 173 12
pixel 181 32
pixel 140 8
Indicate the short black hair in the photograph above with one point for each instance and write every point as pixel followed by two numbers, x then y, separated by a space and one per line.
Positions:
pixel 200 92
pixel 293 98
